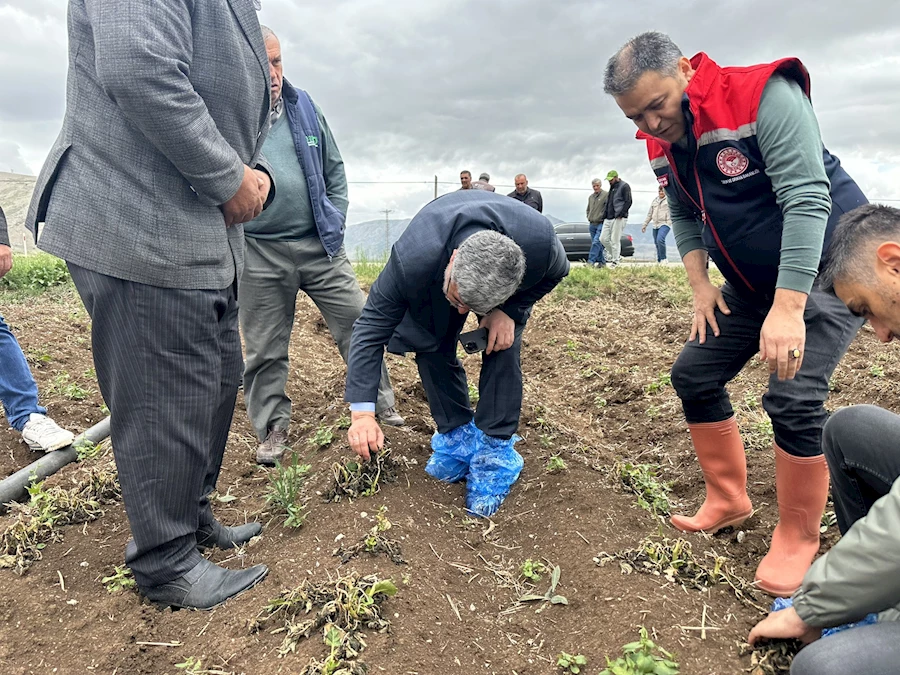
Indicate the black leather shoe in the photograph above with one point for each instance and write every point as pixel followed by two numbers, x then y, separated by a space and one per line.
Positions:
pixel 223 537
pixel 204 586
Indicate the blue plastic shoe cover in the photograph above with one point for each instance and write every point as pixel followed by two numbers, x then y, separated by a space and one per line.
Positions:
pixel 452 453
pixel 784 603
pixel 494 468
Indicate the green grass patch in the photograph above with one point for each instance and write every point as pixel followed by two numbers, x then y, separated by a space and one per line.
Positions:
pixel 587 283
pixel 368 267
pixel 33 274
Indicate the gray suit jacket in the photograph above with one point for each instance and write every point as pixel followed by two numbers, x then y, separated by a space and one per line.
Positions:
pixel 4 234
pixel 165 103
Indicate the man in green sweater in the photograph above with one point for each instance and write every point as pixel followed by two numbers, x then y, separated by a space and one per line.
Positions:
pixel 296 244
pixel 749 185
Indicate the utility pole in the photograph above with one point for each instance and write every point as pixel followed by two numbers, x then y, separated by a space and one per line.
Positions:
pixel 387 232
pixel 435 187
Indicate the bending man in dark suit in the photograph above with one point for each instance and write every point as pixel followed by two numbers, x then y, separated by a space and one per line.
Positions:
pixel 143 194
pixel 466 251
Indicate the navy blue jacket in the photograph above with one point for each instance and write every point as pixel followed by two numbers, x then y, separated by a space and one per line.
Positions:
pixel 407 310
pixel 304 125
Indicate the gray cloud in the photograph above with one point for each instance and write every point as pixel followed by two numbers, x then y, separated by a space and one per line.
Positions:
pixel 414 89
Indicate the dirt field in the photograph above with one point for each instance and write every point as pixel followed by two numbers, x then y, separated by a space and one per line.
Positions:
pixel 596 393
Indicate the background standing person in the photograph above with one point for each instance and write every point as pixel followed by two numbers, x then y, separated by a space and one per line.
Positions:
pixel 296 244
pixel 526 195
pixel 484 183
pixel 167 109
pixel 658 215
pixel 18 390
pixel 596 213
pixel 617 205
pixel 465 180
pixel 750 185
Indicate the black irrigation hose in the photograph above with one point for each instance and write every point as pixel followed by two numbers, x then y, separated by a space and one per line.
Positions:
pixel 15 487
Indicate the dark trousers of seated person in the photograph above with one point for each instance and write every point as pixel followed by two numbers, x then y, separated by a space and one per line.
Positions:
pixel 862 446
pixel 499 388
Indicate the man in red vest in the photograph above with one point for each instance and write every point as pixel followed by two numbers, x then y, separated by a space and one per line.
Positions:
pixel 750 186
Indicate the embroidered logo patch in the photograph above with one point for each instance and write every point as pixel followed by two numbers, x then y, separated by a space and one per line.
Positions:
pixel 732 162
pixel 312 141
pixel 663 180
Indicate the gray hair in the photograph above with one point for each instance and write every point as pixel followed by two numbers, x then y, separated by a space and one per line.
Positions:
pixel 488 269
pixel 484 176
pixel 651 51
pixel 596 181
pixel 268 33
pixel 858 233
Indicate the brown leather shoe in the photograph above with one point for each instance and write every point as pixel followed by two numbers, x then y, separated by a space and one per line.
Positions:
pixel 273 448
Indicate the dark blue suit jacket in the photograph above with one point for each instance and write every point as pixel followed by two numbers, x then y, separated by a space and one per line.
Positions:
pixel 407 310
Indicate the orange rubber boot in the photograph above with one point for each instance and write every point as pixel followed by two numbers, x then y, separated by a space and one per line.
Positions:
pixel 802 487
pixel 720 451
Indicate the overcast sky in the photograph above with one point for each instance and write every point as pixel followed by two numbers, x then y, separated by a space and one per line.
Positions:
pixel 414 89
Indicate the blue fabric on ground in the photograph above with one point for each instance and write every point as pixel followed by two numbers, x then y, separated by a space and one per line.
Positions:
pixel 452 453
pixel 494 468
pixel 784 603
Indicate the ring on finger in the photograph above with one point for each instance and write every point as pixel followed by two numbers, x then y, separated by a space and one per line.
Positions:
pixel 794 353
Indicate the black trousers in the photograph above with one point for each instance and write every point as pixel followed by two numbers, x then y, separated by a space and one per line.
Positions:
pixel 795 406
pixel 168 362
pixel 499 388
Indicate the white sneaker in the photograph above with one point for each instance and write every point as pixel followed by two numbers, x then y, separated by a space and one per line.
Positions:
pixel 42 433
pixel 612 265
pixel 663 262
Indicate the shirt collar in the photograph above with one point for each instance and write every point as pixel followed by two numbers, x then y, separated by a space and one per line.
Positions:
pixel 277 111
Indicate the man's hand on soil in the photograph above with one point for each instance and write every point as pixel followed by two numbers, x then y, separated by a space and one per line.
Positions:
pixel 784 624
pixel 365 435
pixel 501 331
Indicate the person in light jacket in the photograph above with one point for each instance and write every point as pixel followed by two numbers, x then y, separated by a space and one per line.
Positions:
pixel 860 575
pixel 662 224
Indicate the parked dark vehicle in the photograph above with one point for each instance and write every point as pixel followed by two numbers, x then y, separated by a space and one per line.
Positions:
pixel 576 239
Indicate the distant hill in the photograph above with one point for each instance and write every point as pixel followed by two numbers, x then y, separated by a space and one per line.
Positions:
pixel 368 238
pixel 15 196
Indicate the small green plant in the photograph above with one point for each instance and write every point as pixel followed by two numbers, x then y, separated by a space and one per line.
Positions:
pixel 343 422
pixel 86 449
pixel 533 570
pixel 661 382
pixel 556 464
pixel 120 580
pixel 829 519
pixel 642 480
pixel 375 542
pixel 473 393
pixel 323 437
pixel 546 440
pixel 192 665
pixel 550 596
pixel 36 272
pixel 876 370
pixel 653 412
pixel 642 657
pixel 104 409
pixel 63 385
pixel 354 478
pixel 750 401
pixel 571 663
pixel 37 357
pixel 599 401
pixel 285 491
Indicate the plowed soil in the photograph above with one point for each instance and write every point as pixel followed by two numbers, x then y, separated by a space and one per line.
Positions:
pixel 590 368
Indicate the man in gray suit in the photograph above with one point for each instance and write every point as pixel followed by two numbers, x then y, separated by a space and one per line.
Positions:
pixel 143 194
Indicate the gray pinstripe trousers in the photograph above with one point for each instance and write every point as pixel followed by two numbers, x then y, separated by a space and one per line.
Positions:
pixel 168 362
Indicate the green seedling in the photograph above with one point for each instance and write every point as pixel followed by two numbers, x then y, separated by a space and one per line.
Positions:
pixel 829 519
pixel 661 382
pixel 341 608
pixel 73 391
pixel 37 357
pixel 323 437
pixel 599 401
pixel 353 478
pixel 643 657
pixel 571 663
pixel 285 491
pixel 556 464
pixel 550 596
pixel 643 481
pixel 375 542
pixel 876 370
pixel 85 449
pixel 473 393
pixel 120 580
pixel 343 422
pixel 533 570
pixel 750 401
